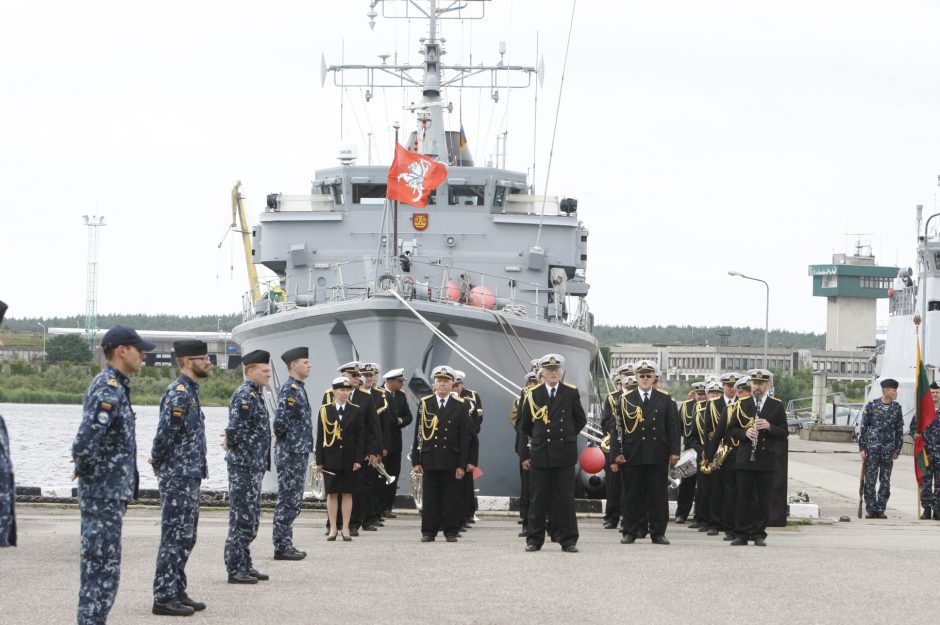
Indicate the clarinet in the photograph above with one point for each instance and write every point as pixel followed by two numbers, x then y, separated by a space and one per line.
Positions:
pixel 753 457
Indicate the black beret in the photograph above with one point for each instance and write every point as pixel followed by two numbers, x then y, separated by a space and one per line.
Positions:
pixel 294 354
pixel 889 383
pixel 259 356
pixel 182 349
pixel 934 385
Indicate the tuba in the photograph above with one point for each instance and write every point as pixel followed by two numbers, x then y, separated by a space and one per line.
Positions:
pixel 317 484
pixel 417 488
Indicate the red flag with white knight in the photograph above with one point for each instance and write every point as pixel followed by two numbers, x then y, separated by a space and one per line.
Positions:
pixel 413 176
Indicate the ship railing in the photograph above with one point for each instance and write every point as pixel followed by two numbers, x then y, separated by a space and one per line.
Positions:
pixel 457 286
pixel 902 300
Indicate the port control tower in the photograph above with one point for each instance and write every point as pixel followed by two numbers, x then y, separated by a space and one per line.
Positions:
pixel 852 284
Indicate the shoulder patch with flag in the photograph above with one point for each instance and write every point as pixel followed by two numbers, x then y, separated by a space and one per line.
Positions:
pixel 413 176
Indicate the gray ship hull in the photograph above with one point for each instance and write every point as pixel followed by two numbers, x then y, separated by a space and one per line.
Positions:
pixel 381 329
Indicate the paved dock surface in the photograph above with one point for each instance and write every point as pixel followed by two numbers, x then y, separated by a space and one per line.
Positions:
pixel 864 571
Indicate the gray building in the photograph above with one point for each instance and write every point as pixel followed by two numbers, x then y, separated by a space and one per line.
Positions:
pixel 222 351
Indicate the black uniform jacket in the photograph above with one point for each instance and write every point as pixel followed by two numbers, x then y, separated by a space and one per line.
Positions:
pixel 767 440
pixel 399 409
pixel 476 424
pixel 555 443
pixel 446 446
pixel 690 432
pixel 372 432
pixel 722 432
pixel 348 445
pixel 654 438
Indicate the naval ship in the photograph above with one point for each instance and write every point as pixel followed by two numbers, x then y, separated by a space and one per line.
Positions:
pixel 913 316
pixel 486 278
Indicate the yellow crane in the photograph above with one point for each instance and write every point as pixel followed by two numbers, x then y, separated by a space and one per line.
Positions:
pixel 238 211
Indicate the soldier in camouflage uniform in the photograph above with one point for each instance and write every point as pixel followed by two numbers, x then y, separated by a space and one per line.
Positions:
pixel 248 446
pixel 178 457
pixel 105 455
pixel 930 487
pixel 7 484
pixel 293 430
pixel 879 443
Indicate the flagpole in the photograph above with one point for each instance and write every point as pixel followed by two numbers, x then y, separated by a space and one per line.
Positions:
pixel 395 212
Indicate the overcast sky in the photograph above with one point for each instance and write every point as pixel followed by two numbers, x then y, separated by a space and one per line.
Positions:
pixel 698 137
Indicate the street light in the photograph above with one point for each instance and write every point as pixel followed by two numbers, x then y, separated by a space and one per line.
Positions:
pixel 43 340
pixel 766 309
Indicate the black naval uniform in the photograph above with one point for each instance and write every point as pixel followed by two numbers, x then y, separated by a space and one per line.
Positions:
pixel 440 448
pixel 646 445
pixel 375 485
pixel 521 439
pixel 553 425
pixel 726 473
pixel 755 478
pixel 690 440
pixel 613 509
pixel 711 498
pixel 476 424
pixel 340 444
pixel 400 417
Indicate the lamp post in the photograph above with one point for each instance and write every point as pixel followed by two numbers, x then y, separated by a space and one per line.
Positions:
pixel 766 309
pixel 43 340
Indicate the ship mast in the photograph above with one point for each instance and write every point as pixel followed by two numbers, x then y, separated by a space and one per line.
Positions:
pixel 431 137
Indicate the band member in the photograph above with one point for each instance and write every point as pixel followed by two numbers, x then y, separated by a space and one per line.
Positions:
pixel 690 440
pixel 373 436
pixel 724 443
pixel 400 417
pixel 476 423
pixel 758 426
pixel 293 432
pixel 648 443
pixel 105 455
pixel 608 427
pixel 339 453
pixel 440 453
pixel 552 415
pixel 711 482
pixel 531 379
pixel 373 486
pixel 178 457
pixel 879 443
pixel 247 444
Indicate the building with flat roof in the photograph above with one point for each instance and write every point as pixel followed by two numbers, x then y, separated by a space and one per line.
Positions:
pixel 222 351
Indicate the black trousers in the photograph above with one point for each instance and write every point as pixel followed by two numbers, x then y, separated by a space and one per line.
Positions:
pixel 551 491
pixel 612 511
pixel 393 467
pixel 524 496
pixel 645 497
pixel 686 495
pixel 716 500
pixel 729 493
pixel 470 498
pixel 753 503
pixel 442 503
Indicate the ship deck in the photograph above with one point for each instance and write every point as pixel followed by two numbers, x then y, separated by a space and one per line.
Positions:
pixel 827 572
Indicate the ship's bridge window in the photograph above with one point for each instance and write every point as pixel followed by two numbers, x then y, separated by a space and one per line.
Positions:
pixel 369 193
pixel 335 190
pixel 466 195
pixel 500 196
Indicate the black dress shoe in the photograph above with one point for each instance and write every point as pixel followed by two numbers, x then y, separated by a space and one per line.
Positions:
pixel 570 549
pixel 451 539
pixel 739 542
pixel 680 519
pixel 347 539
pixel 330 538
pixel 703 528
pixel 354 532
pixel 610 525
pixel 712 532
pixel 242 577
pixel 370 528
pixel 659 540
pixel 694 525
pixel 293 554
pixel 531 547
pixel 927 514
pixel 390 515
pixel 427 539
pixel 198 606
pixel 173 607
pixel 258 575
pixel 760 542
pixel 628 539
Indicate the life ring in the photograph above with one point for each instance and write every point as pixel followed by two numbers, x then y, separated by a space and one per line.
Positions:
pixel 385 282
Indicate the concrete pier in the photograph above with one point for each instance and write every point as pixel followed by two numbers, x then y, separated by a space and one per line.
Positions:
pixel 864 571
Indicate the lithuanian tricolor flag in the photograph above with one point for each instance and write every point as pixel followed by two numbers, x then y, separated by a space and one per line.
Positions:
pixel 926 414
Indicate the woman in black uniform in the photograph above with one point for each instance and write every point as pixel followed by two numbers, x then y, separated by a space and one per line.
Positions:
pixel 339 452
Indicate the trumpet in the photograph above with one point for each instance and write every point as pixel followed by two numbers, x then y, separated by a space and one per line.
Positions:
pixel 380 468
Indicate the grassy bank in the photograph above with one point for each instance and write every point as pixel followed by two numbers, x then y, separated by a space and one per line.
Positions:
pixel 28 383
